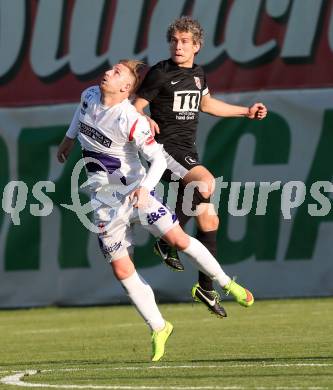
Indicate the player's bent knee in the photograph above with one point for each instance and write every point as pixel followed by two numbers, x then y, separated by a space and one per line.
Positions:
pixel 208 223
pixel 122 268
pixel 177 238
pixel 181 243
pixel 203 176
pixel 210 186
pixel 200 197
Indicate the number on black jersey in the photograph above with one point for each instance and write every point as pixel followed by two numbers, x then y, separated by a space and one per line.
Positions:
pixel 186 101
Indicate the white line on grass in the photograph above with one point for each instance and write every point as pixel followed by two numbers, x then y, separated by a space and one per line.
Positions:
pixel 75 329
pixel 15 379
pixel 123 325
pixel 225 365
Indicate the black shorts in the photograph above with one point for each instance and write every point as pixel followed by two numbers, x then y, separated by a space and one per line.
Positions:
pixel 180 162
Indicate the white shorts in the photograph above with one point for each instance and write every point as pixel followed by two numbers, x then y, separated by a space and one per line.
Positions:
pixel 116 239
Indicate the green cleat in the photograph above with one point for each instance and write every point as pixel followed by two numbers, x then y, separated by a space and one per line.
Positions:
pixel 158 341
pixel 241 294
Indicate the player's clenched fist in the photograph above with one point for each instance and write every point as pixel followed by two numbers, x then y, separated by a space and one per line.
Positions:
pixel 257 111
pixel 64 149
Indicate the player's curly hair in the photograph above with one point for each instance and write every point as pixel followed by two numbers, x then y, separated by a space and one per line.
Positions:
pixel 134 66
pixel 187 24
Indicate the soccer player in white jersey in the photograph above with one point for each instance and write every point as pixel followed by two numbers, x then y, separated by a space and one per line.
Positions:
pixel 111 133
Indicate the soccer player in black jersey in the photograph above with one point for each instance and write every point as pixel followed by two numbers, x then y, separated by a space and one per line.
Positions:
pixel 176 90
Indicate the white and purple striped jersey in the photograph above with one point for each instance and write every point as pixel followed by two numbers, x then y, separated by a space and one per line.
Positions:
pixel 114 136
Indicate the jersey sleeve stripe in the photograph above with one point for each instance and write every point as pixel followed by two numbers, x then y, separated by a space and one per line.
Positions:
pixel 205 91
pixel 150 141
pixel 130 137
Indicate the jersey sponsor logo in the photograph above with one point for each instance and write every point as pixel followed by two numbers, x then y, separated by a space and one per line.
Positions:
pixel 294 54
pixel 197 82
pixel 190 160
pixel 186 101
pixel 174 82
pixel 155 216
pixel 95 135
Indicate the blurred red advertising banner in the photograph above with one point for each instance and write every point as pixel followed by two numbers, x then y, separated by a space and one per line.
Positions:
pixel 58 48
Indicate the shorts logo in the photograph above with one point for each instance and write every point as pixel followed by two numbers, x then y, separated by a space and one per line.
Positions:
pixel 190 160
pixel 153 217
pixel 197 82
pixel 112 248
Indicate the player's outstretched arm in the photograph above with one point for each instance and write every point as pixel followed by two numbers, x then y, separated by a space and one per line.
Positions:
pixel 64 149
pixel 158 165
pixel 140 104
pixel 218 107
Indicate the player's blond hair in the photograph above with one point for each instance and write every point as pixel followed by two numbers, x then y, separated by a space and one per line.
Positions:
pixel 134 66
pixel 187 24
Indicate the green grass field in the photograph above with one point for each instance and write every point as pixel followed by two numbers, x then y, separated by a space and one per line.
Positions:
pixel 276 344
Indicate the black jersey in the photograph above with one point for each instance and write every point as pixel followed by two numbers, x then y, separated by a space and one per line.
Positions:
pixel 175 94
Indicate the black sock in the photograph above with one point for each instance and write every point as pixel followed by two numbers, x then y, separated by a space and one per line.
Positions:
pixel 182 218
pixel 208 239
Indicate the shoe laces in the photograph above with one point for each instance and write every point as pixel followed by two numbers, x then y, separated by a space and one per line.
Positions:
pixel 232 280
pixel 154 334
pixel 216 295
pixel 213 293
pixel 173 252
